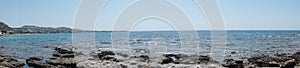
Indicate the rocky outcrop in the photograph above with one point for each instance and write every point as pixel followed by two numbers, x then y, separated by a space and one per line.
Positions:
pixel 186 59
pixel 4 28
pixel 35 62
pixel 107 55
pixel 267 61
pixel 9 62
pixel 230 63
pixel 63 58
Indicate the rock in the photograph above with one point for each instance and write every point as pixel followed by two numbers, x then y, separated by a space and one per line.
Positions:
pixel 35 64
pixel 204 59
pixel 230 63
pixel 167 60
pixel 8 62
pixel 145 57
pixel 36 58
pixel 63 51
pixel 63 62
pixel 63 55
pixel 289 64
pixel 267 61
pixel 233 52
pixel 177 56
pixel 112 58
pixel 104 53
pixel 296 56
pixel 171 58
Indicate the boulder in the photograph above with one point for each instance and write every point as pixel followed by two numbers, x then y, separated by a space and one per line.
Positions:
pixel 63 51
pixel 105 53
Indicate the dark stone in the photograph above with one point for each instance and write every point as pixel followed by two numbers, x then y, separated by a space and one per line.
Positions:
pixel 123 66
pixel 177 56
pixel 204 59
pixel 104 53
pixel 230 63
pixel 145 57
pixel 167 60
pixel 35 64
pixel 63 51
pixel 36 58
pixel 296 56
pixel 7 61
pixel 233 52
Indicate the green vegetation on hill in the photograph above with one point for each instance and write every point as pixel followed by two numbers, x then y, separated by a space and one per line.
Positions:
pixel 4 28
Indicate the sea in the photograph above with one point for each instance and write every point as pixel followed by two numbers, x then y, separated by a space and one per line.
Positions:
pixel 239 44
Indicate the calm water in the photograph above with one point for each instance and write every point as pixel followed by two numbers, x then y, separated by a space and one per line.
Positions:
pixel 244 43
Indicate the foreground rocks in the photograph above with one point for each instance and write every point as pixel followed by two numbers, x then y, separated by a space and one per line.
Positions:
pixel 9 62
pixel 187 59
pixel 63 58
pixel 281 61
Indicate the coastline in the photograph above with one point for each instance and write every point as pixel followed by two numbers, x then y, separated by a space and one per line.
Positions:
pixel 66 56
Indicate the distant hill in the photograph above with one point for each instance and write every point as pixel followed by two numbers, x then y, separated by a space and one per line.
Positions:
pixel 4 27
pixel 33 29
pixel 37 29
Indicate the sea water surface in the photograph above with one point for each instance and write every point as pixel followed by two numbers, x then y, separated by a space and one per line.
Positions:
pixel 239 43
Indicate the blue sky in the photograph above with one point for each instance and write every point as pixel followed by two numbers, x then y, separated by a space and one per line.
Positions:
pixel 238 14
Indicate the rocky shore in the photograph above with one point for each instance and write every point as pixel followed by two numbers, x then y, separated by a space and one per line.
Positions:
pixel 9 62
pixel 67 58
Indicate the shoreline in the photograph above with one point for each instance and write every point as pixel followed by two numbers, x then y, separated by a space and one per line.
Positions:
pixel 67 57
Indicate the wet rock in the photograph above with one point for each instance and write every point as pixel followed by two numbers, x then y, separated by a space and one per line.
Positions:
pixel 204 59
pixel 233 52
pixel 172 58
pixel 296 56
pixel 104 53
pixel 167 60
pixel 9 62
pixel 63 51
pixel 177 56
pixel 230 63
pixel 35 64
pixel 36 58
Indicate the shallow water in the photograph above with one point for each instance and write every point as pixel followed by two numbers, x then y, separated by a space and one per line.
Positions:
pixel 238 43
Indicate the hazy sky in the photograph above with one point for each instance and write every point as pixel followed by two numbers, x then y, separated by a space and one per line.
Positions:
pixel 238 14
